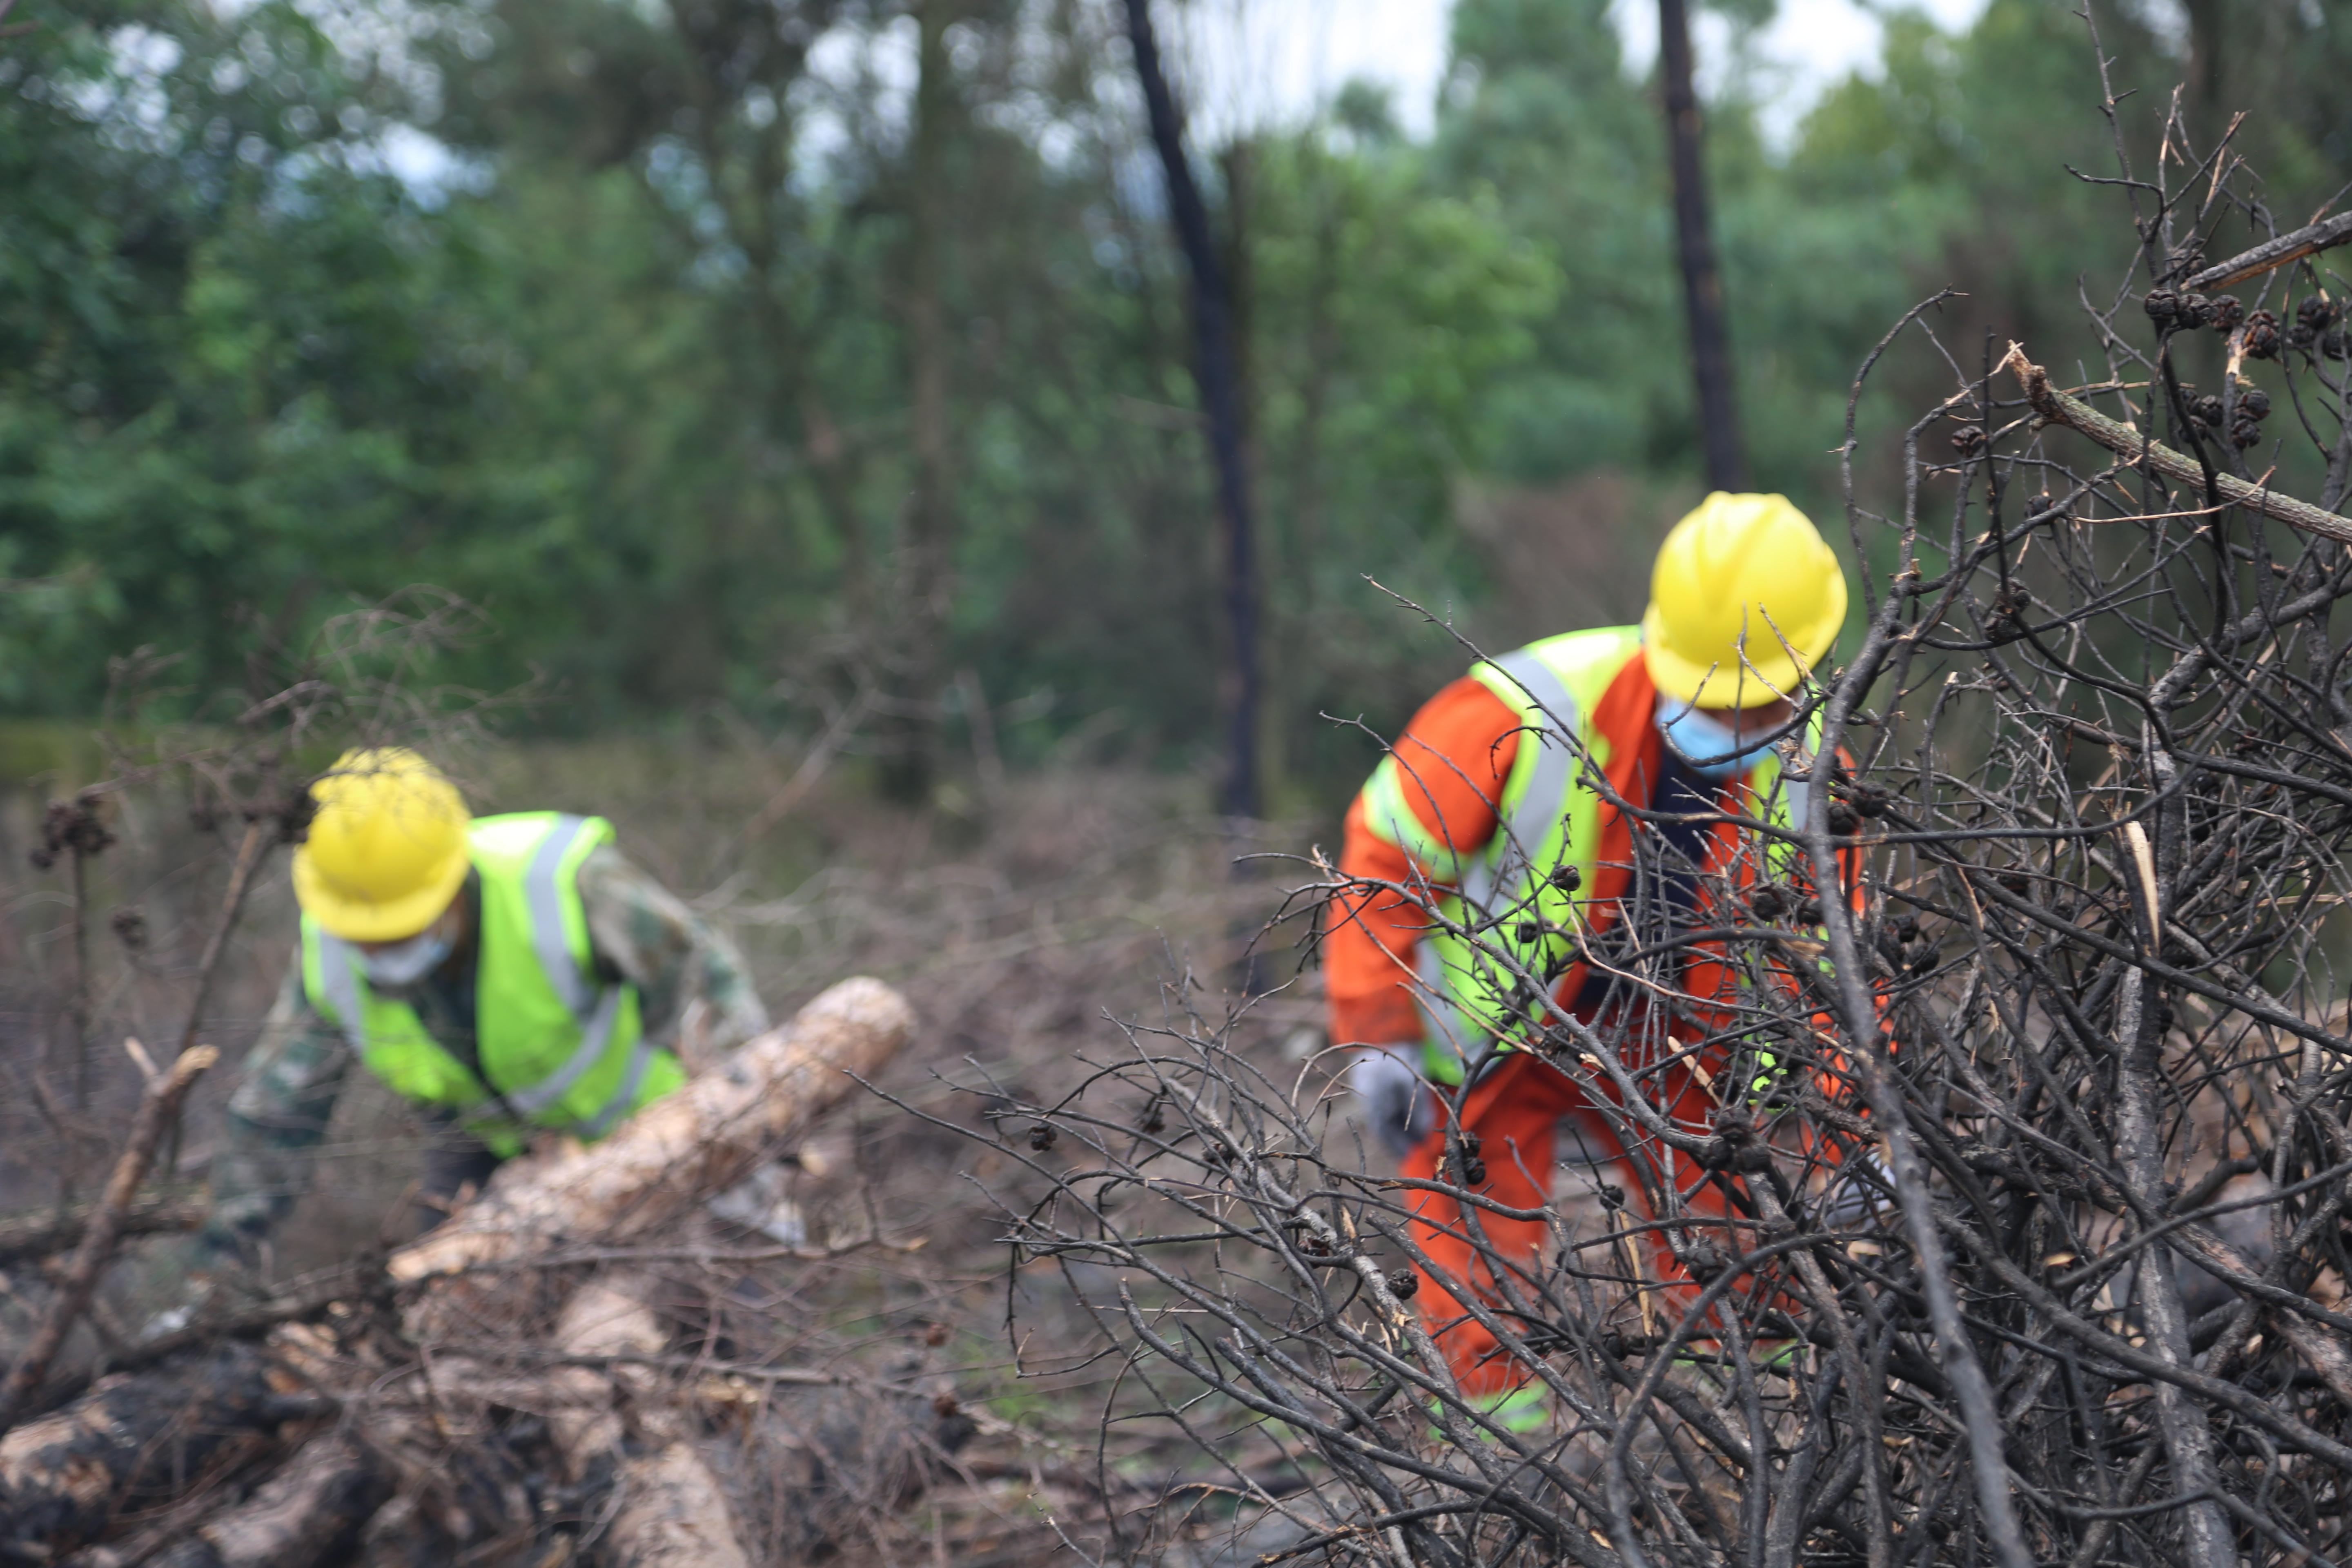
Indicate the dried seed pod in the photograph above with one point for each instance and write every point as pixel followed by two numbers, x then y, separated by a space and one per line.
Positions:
pixel 1403 1284
pixel 2316 311
pixel 1809 913
pixel 1969 441
pixel 2208 409
pixel 1529 934
pixel 1767 902
pixel 2254 403
pixel 2163 307
pixel 2244 433
pixel 2194 310
pixel 2227 312
pixel 1842 819
pixel 1042 1136
pixel 2262 335
pixel 1567 879
pixel 1704 1260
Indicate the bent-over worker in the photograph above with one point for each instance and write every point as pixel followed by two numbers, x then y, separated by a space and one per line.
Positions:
pixel 510 976
pixel 1481 810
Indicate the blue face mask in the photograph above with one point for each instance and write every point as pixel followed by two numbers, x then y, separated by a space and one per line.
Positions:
pixel 1705 741
pixel 407 962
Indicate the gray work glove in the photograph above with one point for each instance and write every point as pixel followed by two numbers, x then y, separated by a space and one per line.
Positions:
pixel 1398 1104
pixel 192 1282
pixel 1852 1198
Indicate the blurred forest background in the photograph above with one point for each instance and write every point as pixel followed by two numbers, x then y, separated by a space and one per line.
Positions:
pixel 774 359
pixel 802 393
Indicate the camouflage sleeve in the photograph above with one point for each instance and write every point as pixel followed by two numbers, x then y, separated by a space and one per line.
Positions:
pixel 694 994
pixel 276 1118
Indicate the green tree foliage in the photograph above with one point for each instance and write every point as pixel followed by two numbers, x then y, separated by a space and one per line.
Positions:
pixel 634 362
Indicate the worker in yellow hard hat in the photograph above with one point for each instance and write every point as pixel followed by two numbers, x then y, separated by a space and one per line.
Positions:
pixel 510 976
pixel 1489 812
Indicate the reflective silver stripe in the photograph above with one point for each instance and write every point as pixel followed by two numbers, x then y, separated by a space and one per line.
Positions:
pixel 1469 1037
pixel 1544 801
pixel 641 1057
pixel 342 982
pixel 544 891
pixel 596 1007
pixel 593 1036
pixel 1464 1034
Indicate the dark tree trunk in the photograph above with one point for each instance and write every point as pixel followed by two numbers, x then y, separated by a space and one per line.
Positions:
pixel 928 563
pixel 2207 28
pixel 1217 372
pixel 136 1442
pixel 1710 339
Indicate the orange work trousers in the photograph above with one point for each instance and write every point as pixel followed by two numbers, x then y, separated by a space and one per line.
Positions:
pixel 1513 1109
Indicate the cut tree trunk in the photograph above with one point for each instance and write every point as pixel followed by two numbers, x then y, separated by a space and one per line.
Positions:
pixel 144 1440
pixel 137 1441
pixel 310 1512
pixel 668 1157
pixel 671 1512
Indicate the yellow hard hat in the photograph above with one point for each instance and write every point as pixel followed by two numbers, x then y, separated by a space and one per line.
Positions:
pixel 1744 599
pixel 387 849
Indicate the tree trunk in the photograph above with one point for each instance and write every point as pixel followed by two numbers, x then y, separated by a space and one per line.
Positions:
pixel 135 1441
pixel 1710 338
pixel 929 561
pixel 1217 376
pixel 2208 33
pixel 670 1509
pixel 668 1157
pixel 310 1512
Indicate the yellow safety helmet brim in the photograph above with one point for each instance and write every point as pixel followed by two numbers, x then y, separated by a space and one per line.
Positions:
pixel 1744 600
pixel 387 849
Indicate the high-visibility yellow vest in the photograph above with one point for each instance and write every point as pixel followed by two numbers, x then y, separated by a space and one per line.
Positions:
pixel 1549 819
pixel 557 1047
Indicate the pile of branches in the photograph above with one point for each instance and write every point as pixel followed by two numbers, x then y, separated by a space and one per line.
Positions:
pixel 2031 1136
pixel 505 1390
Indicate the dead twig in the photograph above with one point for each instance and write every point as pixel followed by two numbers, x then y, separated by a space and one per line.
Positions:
pixel 2057 408
pixel 2271 255
pixel 154 1214
pixel 158 1108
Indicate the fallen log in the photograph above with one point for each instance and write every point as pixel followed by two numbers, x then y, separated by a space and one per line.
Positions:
pixel 145 1440
pixel 310 1512
pixel 670 1511
pixel 134 1442
pixel 667 1158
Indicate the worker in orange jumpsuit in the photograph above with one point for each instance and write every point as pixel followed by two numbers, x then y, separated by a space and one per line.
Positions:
pixel 1487 812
